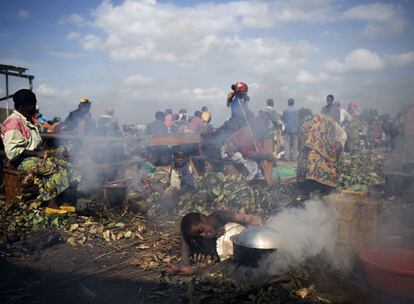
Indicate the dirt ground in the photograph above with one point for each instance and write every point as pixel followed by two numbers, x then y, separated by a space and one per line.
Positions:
pixel 133 271
pixel 88 274
pixel 64 274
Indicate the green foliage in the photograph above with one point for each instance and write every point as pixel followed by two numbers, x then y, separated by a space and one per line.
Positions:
pixel 359 170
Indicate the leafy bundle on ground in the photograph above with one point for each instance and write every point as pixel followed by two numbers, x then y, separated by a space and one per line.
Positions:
pixel 359 170
pixel 218 191
pixel 19 220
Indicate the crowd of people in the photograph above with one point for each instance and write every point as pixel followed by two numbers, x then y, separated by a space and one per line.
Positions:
pixel 315 142
pixel 168 122
pixel 80 121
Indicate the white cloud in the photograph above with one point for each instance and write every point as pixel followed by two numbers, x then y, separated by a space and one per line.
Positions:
pixel 382 19
pixel 366 60
pixel 357 60
pixel 74 19
pixel 314 100
pixel 44 90
pixel 24 13
pixel 394 27
pixel 378 12
pixel 195 51
pixel 304 76
pixel 400 59
pixel 91 42
pixel 138 80
pixel 73 36
pixel 164 32
pixel 203 94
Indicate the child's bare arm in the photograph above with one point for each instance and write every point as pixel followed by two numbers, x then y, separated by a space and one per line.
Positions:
pixel 185 252
pixel 247 219
pixel 184 267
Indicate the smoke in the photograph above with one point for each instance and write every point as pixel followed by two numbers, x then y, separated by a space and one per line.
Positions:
pixel 301 234
pixel 103 159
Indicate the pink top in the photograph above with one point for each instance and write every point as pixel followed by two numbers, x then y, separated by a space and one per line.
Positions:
pixel 19 134
pixel 196 123
pixel 168 120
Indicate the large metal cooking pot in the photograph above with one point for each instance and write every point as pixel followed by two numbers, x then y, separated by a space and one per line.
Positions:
pixel 253 244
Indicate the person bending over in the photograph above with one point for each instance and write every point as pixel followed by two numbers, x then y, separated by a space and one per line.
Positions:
pixel 201 234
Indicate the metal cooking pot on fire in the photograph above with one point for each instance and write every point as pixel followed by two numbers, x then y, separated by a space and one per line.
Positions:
pixel 253 244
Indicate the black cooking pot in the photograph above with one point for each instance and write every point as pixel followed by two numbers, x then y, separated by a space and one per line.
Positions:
pixel 251 246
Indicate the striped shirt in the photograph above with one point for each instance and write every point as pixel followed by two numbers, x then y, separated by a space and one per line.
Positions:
pixel 19 134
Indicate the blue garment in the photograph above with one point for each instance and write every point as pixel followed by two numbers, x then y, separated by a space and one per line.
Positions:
pixel 235 106
pixel 291 119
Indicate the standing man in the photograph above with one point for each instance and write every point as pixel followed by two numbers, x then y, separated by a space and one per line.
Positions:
pixel 332 109
pixel 108 124
pixel 157 127
pixel 158 155
pixel 80 120
pixel 272 114
pixel 272 119
pixel 291 120
pixel 205 115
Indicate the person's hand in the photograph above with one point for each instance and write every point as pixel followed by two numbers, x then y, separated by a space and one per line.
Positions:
pixel 268 157
pixel 253 220
pixel 180 269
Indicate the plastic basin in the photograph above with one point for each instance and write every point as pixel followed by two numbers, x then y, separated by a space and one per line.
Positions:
pixel 391 270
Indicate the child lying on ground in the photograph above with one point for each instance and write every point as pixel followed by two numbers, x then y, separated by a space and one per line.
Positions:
pixel 200 234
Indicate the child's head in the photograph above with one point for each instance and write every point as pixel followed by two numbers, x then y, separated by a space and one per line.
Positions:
pixel 179 156
pixel 195 225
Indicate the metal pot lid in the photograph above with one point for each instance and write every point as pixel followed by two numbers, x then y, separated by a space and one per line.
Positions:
pixel 259 237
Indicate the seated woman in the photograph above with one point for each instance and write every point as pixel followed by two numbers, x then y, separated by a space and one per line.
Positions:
pixel 200 234
pixel 321 142
pixel 51 173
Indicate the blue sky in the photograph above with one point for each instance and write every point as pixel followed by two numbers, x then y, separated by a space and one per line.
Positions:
pixel 142 56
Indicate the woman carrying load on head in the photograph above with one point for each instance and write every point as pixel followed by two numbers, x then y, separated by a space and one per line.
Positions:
pixel 238 103
pixel 52 173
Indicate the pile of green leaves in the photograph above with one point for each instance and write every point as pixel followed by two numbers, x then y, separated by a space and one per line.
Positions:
pixel 358 171
pixel 20 219
pixel 218 191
